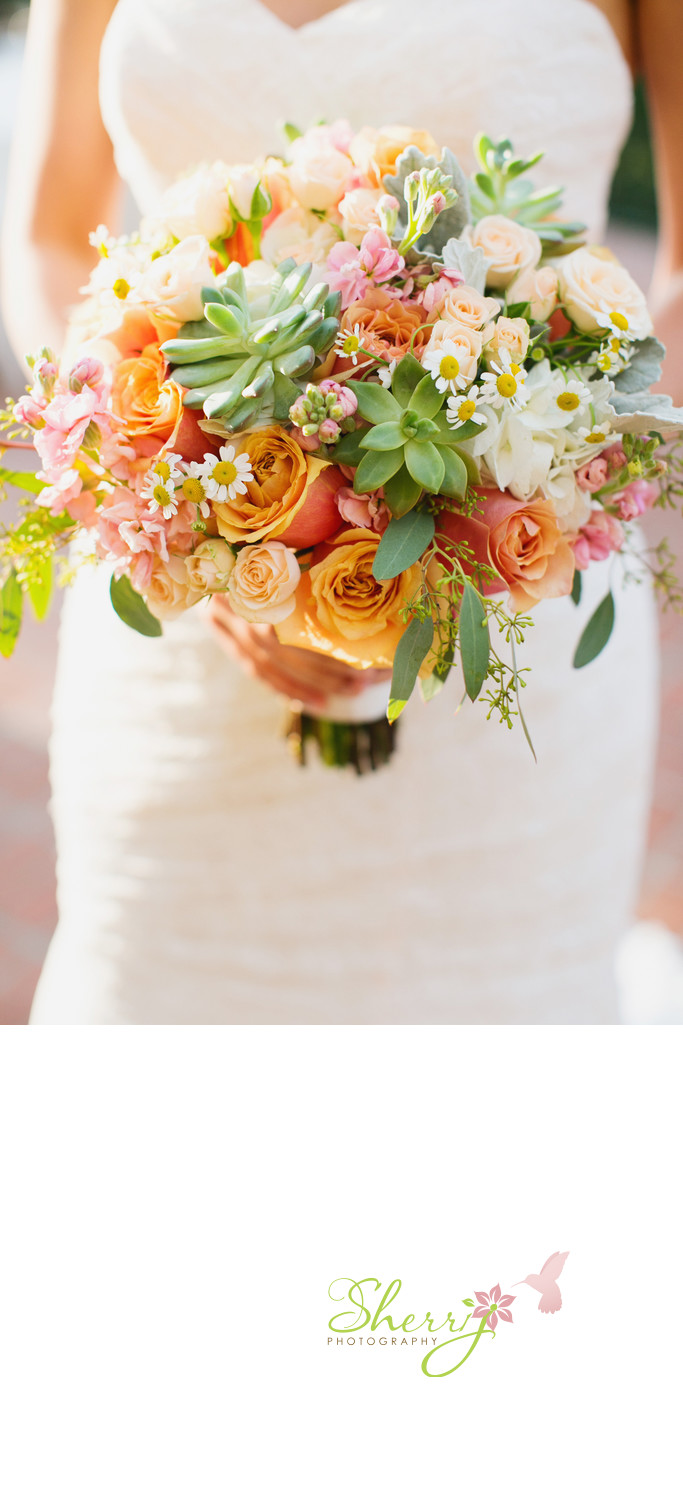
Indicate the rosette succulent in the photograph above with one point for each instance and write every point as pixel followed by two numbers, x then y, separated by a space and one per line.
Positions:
pixel 243 359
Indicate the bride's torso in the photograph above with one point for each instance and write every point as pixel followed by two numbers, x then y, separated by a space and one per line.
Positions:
pixel 187 80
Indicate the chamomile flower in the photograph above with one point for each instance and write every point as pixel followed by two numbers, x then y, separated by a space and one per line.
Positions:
pixel 612 357
pixel 385 373
pixel 350 343
pixel 444 367
pixel 160 486
pixel 225 476
pixel 504 385
pixel 102 240
pixel 462 407
pixel 616 323
pixel 573 396
pixel 193 487
pixel 595 434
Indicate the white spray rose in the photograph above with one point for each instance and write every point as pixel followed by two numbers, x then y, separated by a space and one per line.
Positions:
pixel 591 285
pixel 173 282
pixel 210 566
pixel 197 204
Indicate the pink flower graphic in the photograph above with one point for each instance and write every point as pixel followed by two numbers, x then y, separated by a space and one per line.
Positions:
pixel 494 1301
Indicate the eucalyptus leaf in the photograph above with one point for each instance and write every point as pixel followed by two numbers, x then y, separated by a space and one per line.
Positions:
pixel 410 655
pixel 376 404
pixel 375 468
pixel 577 583
pixel 403 543
pixel 131 607
pixel 11 604
pixel 434 682
pixel 644 369
pixel 597 632
pixel 473 633
pixel 40 589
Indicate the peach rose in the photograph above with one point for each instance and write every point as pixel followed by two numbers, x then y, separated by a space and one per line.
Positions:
pixel 343 610
pixel 263 582
pixel 376 151
pixel 468 307
pixel 282 475
pixel 358 210
pixel 521 541
pixel 197 204
pixel 510 334
pixel 167 592
pixel 467 344
pixel 299 235
pixel 509 247
pixel 387 325
pixel 591 284
pixel 173 283
pixel 539 287
pixel 319 174
pixel 210 566
pixel 150 404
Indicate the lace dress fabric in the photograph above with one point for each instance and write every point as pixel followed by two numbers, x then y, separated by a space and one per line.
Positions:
pixel 202 877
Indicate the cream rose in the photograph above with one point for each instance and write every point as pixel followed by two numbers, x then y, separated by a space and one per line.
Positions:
pixel 466 345
pixel 319 174
pixel 242 184
pixel 510 334
pixel 590 285
pixel 358 210
pixel 262 584
pixel 467 306
pixel 210 566
pixel 299 235
pixel 197 204
pixel 173 283
pixel 167 592
pixel 510 248
pixel 539 287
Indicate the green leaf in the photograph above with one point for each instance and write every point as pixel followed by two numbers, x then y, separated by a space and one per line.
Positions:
pixel 403 543
pixel 375 468
pixel 597 632
pixel 25 479
pixel 291 132
pixel 425 464
pixel 131 607
pixel 469 1303
pixel 454 483
pixel 431 685
pixel 387 436
pixel 576 586
pixel 40 589
pixel 406 377
pixel 474 640
pixel 410 655
pixel 11 602
pixel 401 492
pixel 348 451
pixel 485 184
pixel 376 404
pixel 426 400
pixel 284 394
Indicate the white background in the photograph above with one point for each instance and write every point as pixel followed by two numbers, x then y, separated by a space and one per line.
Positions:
pixel 175 1204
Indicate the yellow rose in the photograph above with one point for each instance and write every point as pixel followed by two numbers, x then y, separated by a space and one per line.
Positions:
pixel 210 566
pixel 263 581
pixel 281 476
pixel 591 285
pixel 343 610
pixel 509 334
pixel 509 247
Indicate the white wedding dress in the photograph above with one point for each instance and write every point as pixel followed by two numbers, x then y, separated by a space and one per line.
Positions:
pixel 203 878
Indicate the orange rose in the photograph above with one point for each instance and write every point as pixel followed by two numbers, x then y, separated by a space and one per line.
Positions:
pixel 341 609
pixel 376 151
pixel 150 404
pixel 521 541
pixel 281 476
pixel 386 325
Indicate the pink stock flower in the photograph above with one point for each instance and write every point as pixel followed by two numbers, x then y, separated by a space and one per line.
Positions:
pixel 67 419
pixel 598 538
pixel 366 511
pixel 30 409
pixel 496 1301
pixel 636 498
pixel 91 372
pixel 61 492
pixel 351 270
pixel 340 135
pixel 434 293
pixel 601 468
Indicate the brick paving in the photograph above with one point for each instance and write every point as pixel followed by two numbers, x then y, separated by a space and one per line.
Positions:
pixel 27 901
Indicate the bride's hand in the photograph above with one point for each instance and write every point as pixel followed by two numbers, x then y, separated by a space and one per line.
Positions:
pixel 305 676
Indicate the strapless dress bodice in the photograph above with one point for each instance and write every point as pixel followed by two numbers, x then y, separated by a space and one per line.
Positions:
pixel 184 81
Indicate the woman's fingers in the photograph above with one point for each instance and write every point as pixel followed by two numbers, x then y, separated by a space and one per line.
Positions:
pixel 260 662
pixel 309 677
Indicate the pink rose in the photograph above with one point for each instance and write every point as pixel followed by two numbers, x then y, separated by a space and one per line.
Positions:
pixel 636 498
pixel 598 538
pixel 601 468
pixel 366 511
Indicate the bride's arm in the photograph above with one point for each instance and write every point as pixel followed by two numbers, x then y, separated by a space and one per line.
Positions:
pixel 660 44
pixel 62 179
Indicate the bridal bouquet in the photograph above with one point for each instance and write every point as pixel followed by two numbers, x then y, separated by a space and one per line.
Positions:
pixel 380 406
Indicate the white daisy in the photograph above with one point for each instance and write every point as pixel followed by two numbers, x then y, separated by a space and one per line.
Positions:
pixel 463 406
pixel 160 486
pixel 385 373
pixel 573 396
pixel 616 323
pixel 225 476
pixel 504 385
pixel 193 487
pixel 595 434
pixel 443 365
pixel 612 357
pixel 350 343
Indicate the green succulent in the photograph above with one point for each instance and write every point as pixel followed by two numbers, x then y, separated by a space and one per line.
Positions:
pixel 410 447
pixel 241 362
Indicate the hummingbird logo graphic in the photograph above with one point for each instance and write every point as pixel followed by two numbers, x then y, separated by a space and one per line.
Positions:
pixel 546 1283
